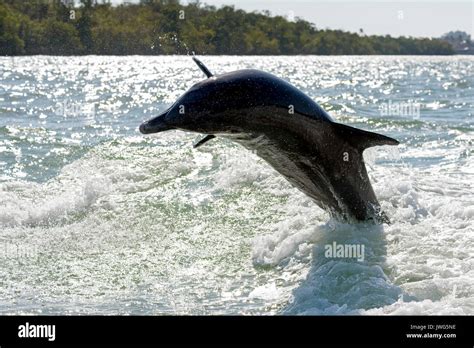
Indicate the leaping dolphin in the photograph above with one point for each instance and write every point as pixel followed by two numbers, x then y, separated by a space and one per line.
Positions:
pixel 287 129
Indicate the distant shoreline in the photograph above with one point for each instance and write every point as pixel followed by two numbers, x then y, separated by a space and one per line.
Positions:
pixel 33 27
pixel 238 55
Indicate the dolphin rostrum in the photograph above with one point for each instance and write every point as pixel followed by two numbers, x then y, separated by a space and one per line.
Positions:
pixel 287 129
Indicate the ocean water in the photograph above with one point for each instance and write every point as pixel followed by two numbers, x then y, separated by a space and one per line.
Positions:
pixel 96 218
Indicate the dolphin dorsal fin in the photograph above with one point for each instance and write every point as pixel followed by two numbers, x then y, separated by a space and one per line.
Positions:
pixel 201 66
pixel 362 139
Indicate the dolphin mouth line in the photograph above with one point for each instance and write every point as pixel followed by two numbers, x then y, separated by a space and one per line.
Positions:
pixel 155 125
pixel 145 128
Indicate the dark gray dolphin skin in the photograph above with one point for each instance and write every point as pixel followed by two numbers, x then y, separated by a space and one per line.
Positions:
pixel 288 130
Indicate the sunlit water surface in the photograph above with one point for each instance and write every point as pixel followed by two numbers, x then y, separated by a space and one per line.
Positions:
pixel 97 219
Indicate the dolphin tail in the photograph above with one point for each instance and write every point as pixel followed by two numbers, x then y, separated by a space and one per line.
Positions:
pixel 361 139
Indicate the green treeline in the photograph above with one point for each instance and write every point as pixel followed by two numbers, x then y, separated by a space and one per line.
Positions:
pixel 154 27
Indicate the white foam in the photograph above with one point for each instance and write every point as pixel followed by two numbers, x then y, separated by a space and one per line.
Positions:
pixel 265 292
pixel 411 266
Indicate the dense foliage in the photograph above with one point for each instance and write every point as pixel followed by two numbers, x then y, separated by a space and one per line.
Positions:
pixel 460 41
pixel 59 27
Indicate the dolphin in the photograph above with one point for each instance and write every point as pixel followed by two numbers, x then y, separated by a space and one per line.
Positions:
pixel 286 128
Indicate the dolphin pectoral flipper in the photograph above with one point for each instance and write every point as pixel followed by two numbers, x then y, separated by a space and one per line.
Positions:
pixel 204 140
pixel 362 139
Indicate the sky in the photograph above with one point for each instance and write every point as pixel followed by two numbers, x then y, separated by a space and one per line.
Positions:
pixel 419 18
